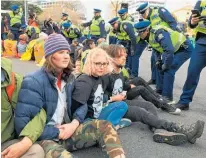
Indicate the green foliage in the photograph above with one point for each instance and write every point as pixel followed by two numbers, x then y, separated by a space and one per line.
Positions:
pixel 6 5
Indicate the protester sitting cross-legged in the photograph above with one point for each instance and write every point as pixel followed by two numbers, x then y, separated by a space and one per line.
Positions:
pixel 50 88
pixel 170 133
pixel 89 89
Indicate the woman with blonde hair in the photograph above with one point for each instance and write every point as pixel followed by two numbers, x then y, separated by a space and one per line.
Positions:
pixel 50 88
pixel 89 89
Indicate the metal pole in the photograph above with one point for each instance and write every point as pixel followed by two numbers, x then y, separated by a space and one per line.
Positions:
pixel 25 11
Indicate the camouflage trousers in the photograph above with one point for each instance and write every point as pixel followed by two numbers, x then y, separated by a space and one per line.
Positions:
pixel 87 134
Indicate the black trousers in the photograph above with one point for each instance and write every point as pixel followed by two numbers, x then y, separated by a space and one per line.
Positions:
pixel 145 112
pixel 145 91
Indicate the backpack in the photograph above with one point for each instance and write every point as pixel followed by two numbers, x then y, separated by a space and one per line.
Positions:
pixel 11 88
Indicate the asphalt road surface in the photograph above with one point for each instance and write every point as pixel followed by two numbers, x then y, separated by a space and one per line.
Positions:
pixel 137 139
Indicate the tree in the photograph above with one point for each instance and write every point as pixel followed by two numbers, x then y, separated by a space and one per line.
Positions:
pixel 6 5
pixel 116 4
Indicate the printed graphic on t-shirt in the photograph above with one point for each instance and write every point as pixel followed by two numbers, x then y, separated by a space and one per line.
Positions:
pixel 118 87
pixel 98 101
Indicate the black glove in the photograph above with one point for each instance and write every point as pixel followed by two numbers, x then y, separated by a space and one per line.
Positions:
pixel 159 64
pixel 164 69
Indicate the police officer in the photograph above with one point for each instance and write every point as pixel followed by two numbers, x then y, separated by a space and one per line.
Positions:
pixel 126 37
pixel 32 32
pixel 173 49
pixel 198 58
pixel 123 14
pixel 157 16
pixel 64 19
pixel 70 32
pixel 15 20
pixel 97 26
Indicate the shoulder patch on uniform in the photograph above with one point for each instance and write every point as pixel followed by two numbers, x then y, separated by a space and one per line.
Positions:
pixel 163 10
pixel 160 36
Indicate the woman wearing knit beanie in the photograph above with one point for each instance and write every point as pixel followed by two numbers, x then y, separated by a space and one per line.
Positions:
pixel 63 128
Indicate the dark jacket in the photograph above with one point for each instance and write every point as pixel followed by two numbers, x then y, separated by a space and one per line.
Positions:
pixel 39 91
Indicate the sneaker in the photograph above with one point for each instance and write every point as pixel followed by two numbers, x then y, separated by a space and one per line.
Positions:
pixel 171 138
pixel 170 109
pixel 150 82
pixel 168 100
pixel 182 106
pixel 123 123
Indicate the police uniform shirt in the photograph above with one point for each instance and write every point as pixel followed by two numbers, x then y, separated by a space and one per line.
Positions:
pixel 89 90
pixel 200 37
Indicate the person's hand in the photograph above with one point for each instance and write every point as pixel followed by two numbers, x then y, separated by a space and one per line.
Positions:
pixel 67 130
pixel 18 149
pixel 194 19
pixel 164 69
pixel 132 86
pixel 118 97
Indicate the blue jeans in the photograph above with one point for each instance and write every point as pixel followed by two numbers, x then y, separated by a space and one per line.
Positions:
pixel 165 81
pixel 114 112
pixel 197 63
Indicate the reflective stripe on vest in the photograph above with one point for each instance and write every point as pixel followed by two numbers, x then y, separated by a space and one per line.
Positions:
pixel 94 27
pixel 177 39
pixel 201 26
pixel 156 20
pixel 15 18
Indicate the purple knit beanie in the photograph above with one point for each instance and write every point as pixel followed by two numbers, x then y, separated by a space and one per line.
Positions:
pixel 54 43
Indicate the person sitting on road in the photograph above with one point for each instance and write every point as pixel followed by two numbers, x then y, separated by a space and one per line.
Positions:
pixel 11 146
pixel 136 86
pixel 89 89
pixel 164 131
pixel 50 88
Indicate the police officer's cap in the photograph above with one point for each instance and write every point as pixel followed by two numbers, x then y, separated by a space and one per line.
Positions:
pixel 65 14
pixel 14 7
pixel 143 7
pixel 112 21
pixel 122 11
pixel 141 26
pixel 66 25
pixel 97 10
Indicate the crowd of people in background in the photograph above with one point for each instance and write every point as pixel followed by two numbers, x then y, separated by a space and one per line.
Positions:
pixel 88 86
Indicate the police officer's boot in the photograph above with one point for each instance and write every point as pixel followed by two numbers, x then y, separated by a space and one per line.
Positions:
pixel 193 132
pixel 171 138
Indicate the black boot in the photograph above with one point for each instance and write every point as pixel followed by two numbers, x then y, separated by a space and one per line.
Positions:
pixel 182 106
pixel 171 138
pixel 151 81
pixel 193 132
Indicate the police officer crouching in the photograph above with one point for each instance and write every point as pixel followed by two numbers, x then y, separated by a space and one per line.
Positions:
pixel 126 37
pixel 70 32
pixel 173 49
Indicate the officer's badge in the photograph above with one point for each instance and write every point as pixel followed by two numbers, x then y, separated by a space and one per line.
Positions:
pixel 125 26
pixel 160 36
pixel 163 10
